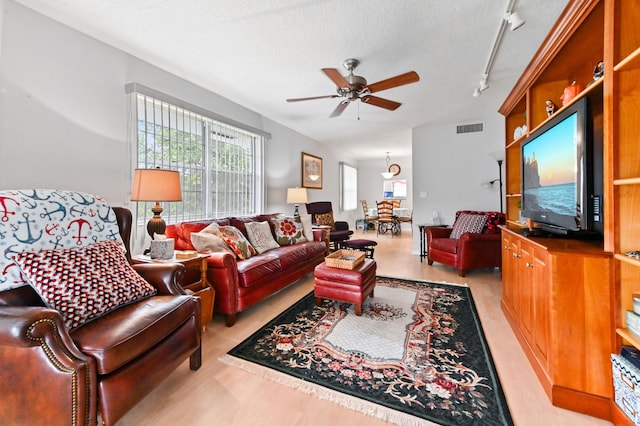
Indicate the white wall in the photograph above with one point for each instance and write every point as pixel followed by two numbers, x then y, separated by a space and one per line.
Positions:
pixel 64 115
pixel 449 168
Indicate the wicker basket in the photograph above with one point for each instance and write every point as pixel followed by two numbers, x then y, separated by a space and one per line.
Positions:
pixel 345 259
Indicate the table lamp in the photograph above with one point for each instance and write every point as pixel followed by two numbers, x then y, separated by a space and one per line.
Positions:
pixel 156 185
pixel 296 196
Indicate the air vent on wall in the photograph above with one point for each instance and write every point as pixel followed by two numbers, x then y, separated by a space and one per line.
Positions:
pixel 469 128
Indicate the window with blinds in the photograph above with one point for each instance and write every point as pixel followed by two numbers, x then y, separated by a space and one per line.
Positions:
pixel 348 187
pixel 220 165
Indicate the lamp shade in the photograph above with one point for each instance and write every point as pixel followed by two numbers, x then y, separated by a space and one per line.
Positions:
pixel 156 185
pixel 296 195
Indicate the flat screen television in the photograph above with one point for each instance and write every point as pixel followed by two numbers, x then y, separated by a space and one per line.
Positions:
pixel 562 175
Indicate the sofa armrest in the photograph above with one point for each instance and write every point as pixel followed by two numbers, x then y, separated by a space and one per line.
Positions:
pixel 222 274
pixel 437 232
pixel 45 369
pixel 163 276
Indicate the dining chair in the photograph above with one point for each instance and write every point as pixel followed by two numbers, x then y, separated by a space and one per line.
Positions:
pixel 367 218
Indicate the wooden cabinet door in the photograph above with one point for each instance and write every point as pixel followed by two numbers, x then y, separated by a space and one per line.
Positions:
pixel 541 306
pixel 507 272
pixel 526 287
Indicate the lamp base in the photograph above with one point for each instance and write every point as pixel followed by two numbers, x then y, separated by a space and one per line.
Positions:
pixel 156 224
pixel 296 213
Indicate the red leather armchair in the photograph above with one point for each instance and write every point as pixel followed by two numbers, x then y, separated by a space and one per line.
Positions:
pixel 56 376
pixel 322 214
pixel 471 250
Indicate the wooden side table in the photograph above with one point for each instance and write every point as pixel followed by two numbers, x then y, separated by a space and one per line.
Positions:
pixel 200 288
pixel 323 231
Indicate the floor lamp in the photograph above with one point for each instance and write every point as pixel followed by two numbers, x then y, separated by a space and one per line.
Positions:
pixel 490 184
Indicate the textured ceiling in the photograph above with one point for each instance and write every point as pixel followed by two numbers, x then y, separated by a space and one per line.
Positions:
pixel 260 52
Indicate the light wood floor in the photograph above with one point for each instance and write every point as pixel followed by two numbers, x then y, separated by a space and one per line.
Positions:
pixel 223 395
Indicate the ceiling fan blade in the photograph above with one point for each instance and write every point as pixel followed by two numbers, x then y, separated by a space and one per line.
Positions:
pixel 341 106
pixel 380 102
pixel 312 98
pixel 336 77
pixel 399 80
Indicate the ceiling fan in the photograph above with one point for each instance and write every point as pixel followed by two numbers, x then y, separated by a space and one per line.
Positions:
pixel 354 87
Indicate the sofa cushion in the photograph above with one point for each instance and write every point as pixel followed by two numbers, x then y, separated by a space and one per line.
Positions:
pixel 293 255
pixel 289 231
pixel 83 283
pixel 473 223
pixel 254 271
pixel 237 242
pixel 116 339
pixel 444 244
pixel 260 236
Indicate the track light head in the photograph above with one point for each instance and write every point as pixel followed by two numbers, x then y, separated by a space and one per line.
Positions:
pixel 515 20
pixel 476 92
pixel 483 83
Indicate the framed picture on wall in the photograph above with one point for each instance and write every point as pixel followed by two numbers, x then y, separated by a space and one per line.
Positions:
pixel 311 171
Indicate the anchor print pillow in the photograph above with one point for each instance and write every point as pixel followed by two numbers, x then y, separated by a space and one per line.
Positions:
pixel 47 219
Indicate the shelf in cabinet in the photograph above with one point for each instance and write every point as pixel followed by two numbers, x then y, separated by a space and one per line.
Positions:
pixel 630 260
pixel 628 336
pixel 596 85
pixel 517 141
pixel 631 62
pixel 628 181
pixel 514 195
pixel 516 224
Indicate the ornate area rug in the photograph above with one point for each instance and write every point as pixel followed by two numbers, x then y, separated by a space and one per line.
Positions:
pixel 416 355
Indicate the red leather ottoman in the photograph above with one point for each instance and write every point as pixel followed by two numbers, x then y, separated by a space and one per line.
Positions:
pixel 345 285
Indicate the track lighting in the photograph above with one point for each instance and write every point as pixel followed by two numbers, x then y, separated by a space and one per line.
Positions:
pixel 515 20
pixel 512 18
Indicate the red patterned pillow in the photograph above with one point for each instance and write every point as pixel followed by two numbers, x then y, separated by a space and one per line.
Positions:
pixel 237 242
pixel 473 223
pixel 84 283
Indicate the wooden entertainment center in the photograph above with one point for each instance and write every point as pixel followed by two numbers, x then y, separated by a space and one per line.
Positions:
pixel 566 299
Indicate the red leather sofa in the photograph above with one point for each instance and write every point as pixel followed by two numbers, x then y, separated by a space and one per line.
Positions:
pixel 242 283
pixel 54 376
pixel 471 250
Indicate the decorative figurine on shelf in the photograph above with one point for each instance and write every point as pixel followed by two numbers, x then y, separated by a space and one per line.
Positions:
pixel 550 107
pixel 598 71
pixel 570 92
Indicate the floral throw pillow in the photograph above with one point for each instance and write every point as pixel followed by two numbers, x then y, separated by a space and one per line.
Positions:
pixel 289 231
pixel 237 242
pixel 260 236
pixel 473 223
pixel 83 283
pixel 326 219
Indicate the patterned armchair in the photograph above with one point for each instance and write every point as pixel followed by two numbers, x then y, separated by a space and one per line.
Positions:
pixel 473 241
pixel 322 214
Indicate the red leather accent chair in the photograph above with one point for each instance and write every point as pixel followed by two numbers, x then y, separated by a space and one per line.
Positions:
pixel 339 232
pixel 471 250
pixel 54 376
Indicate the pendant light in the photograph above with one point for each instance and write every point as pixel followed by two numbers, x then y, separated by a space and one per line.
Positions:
pixel 387 174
